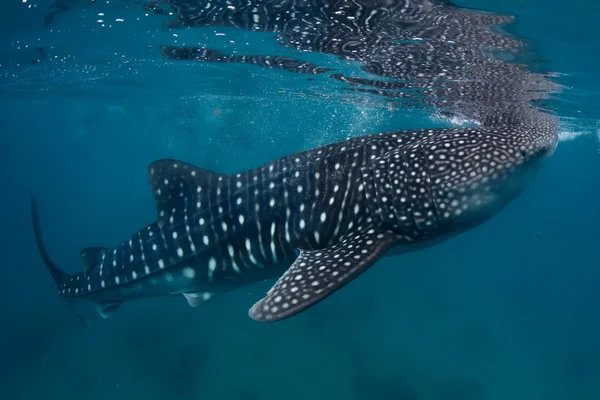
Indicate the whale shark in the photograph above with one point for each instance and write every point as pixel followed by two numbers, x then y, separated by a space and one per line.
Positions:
pixel 315 220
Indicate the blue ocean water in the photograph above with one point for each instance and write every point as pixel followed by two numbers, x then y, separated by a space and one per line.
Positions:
pixel 505 311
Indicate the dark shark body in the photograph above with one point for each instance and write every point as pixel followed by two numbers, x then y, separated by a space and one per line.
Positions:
pixel 331 212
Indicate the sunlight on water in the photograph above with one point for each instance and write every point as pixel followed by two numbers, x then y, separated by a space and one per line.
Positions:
pixel 454 120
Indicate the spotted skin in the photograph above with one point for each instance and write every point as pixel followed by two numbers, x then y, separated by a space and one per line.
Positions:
pixel 341 206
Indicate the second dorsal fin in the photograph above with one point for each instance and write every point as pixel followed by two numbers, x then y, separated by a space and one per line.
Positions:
pixel 91 257
pixel 177 185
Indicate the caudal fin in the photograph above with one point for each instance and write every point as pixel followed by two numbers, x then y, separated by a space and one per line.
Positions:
pixel 59 275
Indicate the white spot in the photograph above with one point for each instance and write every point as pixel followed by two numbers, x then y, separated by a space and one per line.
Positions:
pixel 180 252
pixel 154 247
pixel 323 216
pixel 174 235
pixel 103 284
pixel 117 280
pixel 134 275
pixel 161 263
pixel 241 219
pixel 189 272
pixel 205 239
pixel 212 265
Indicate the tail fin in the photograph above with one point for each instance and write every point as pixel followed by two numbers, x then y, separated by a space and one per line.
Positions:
pixel 58 274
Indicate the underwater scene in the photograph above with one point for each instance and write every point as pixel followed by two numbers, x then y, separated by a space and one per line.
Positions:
pixel 300 199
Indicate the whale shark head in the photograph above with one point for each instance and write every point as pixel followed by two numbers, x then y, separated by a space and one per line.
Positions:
pixel 452 181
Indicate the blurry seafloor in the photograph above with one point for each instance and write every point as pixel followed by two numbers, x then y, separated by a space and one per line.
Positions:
pixel 506 311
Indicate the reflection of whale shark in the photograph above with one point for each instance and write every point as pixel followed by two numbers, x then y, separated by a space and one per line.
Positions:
pixel 271 62
pixel 436 54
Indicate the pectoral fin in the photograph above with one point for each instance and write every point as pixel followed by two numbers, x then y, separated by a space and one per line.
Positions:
pixel 318 273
